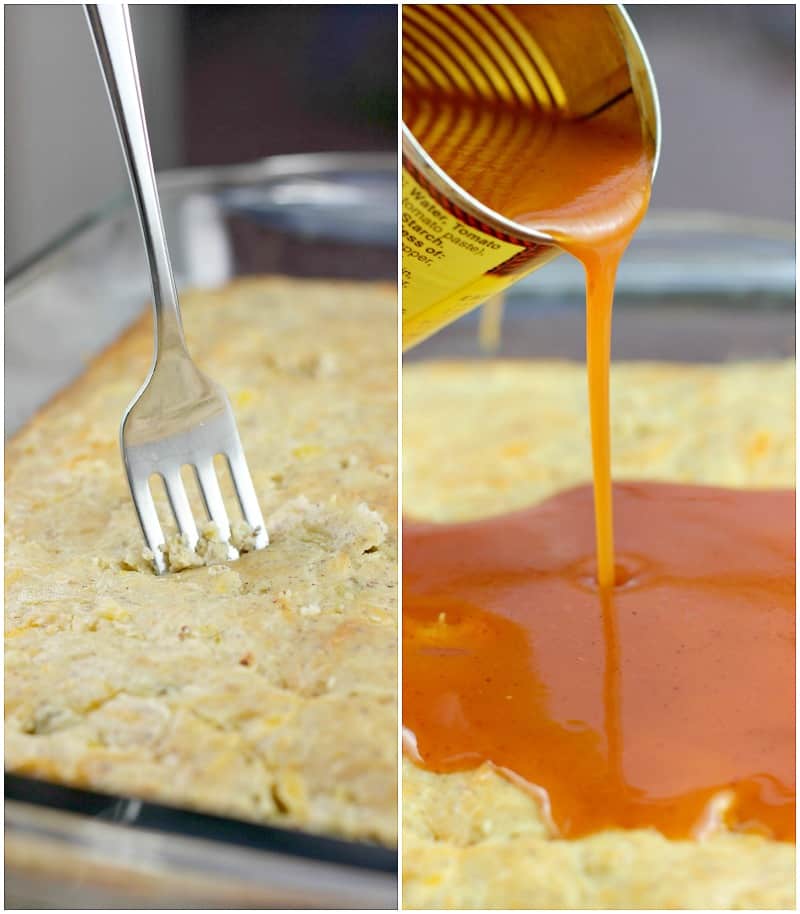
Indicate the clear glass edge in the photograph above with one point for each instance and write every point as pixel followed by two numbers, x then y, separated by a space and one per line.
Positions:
pixel 197 178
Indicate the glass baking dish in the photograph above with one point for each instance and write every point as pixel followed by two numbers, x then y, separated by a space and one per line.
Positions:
pixel 325 215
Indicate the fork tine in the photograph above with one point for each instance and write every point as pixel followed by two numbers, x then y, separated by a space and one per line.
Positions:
pixel 176 492
pixel 246 493
pixel 148 519
pixel 215 506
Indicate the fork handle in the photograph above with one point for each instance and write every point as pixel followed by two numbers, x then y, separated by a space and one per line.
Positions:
pixel 110 26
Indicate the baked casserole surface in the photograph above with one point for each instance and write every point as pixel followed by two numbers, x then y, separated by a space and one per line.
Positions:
pixel 263 688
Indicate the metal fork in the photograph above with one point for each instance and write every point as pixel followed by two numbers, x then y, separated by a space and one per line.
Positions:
pixel 179 416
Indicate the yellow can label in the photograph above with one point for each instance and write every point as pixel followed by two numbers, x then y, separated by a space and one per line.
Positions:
pixel 447 264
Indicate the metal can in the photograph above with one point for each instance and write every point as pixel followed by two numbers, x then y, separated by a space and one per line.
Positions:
pixel 560 61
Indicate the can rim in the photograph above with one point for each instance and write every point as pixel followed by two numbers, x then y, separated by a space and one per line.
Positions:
pixel 631 42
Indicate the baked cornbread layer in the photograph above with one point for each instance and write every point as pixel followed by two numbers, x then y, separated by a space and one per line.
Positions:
pixel 264 688
pixel 481 439
pixel 485 438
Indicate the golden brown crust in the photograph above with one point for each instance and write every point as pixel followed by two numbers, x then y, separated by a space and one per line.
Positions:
pixel 266 688
pixel 485 438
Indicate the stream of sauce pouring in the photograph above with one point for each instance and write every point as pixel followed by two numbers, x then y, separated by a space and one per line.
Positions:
pixel 585 183
pixel 651 692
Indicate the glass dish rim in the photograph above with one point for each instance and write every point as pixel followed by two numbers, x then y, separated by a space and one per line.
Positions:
pixel 202 177
pixel 127 811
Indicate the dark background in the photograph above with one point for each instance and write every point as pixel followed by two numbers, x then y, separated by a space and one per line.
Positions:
pixel 275 79
pixel 726 81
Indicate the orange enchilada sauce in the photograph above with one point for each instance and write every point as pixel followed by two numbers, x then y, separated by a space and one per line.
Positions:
pixel 662 696
pixel 632 707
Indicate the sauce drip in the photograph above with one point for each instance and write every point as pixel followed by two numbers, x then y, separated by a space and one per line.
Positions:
pixel 632 707
pixel 586 183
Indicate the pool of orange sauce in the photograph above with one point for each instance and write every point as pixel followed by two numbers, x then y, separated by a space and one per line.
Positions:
pixel 635 701
pixel 632 708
